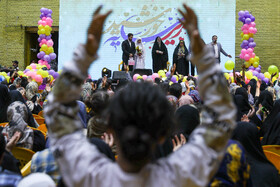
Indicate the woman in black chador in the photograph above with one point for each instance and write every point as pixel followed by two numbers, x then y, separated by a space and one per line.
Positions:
pixel 160 55
pixel 180 58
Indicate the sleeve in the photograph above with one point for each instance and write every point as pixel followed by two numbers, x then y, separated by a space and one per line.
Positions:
pixel 222 50
pixel 175 56
pixel 70 147
pixel 134 49
pixel 207 143
pixel 124 49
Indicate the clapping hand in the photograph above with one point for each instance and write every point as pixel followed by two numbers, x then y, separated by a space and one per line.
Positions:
pixel 95 31
pixel 177 144
pixel 108 139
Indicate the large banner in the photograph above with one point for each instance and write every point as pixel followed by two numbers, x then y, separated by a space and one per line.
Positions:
pixel 146 19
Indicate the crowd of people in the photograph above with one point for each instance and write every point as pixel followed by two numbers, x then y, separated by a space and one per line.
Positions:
pixel 197 132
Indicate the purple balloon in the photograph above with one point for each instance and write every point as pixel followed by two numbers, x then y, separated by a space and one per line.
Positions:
pixel 243 20
pixel 49 37
pixel 254 44
pixel 49 16
pixel 51 72
pixel 39 40
pixel 42 36
pixel 247 20
pixel 255 73
pixel 52 56
pixel 251 67
pixel 258 69
pixel 252 18
pixel 246 47
pixel 9 73
pixel 251 45
pixel 240 19
pixel 50 11
pixel 261 76
pixel 42 87
pixel 173 79
pixel 241 13
pixel 245 42
pixel 168 74
pixel 266 80
pixel 55 75
pixel 260 66
pixel 47 58
pixel 39 55
pixel 42 10
pixel 250 40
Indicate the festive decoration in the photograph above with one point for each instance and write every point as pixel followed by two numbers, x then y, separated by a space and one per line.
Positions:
pixel 46 54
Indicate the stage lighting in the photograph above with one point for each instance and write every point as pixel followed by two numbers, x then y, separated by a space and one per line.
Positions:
pixel 106 72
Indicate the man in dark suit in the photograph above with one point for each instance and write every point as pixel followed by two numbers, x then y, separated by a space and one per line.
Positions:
pixel 217 49
pixel 128 48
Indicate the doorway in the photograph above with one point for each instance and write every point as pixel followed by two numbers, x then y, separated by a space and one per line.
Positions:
pixel 31 43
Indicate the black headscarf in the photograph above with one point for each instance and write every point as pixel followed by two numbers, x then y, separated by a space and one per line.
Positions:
pixel 242 91
pixel 175 54
pixel 271 126
pixel 103 147
pixel 253 84
pixel 16 96
pixel 5 101
pixel 187 119
pixel 262 172
pixel 266 100
pixel 242 106
pixel 159 61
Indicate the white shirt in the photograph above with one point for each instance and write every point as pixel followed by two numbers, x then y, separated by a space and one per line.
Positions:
pixel 129 43
pixel 216 51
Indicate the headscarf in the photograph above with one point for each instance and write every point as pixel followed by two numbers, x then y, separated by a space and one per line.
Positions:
pixel 160 45
pixel 17 115
pixel 262 172
pixel 195 96
pixel 242 91
pixel 188 119
pixel 232 88
pixel 242 106
pixel 271 126
pixel 5 100
pixel 253 84
pixel 86 91
pixel 31 90
pixel 185 100
pixel 141 46
pixel 266 100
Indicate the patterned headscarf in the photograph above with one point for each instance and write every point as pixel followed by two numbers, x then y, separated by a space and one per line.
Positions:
pixel 17 115
pixel 86 91
pixel 195 96
pixel 31 90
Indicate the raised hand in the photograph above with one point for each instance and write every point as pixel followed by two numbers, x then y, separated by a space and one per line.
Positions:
pixel 108 139
pixel 95 31
pixel 189 22
pixel 13 141
pixel 177 144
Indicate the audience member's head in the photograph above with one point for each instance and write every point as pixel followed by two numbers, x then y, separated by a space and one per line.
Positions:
pixel 176 90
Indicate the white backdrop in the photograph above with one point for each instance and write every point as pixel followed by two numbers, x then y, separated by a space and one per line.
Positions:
pixel 146 19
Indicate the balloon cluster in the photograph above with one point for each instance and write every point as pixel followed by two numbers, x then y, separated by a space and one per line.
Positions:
pixel 162 75
pixel 46 54
pixel 248 44
pixel 4 76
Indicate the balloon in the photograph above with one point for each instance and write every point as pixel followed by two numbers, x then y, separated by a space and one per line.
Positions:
pixel 135 76
pixel 246 37
pixel 266 80
pixel 52 56
pixel 255 73
pixel 161 73
pixel 267 75
pixel 251 35
pixel 256 64
pixel 249 74
pixel 144 77
pixel 247 57
pixel 250 50
pixel 33 66
pixel 247 20
pixel 44 47
pixel 257 59
pixel 256 78
pixel 253 55
pixel 252 61
pixel 48 33
pixel 251 40
pixel 55 75
pixel 273 69
pixel 38 78
pixel 47 28
pixel 226 76
pixel 229 65
pixel 241 13
pixel 251 29
pixel 49 43
pixel 47 58
pixel 247 64
pixel 50 50
pixel 173 79
pixel 45 74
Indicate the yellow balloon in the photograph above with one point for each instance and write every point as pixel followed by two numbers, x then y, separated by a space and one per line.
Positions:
pixel 39 32
pixel 51 77
pixel 241 72
pixel 46 74
pixel 40 27
pixel 44 66
pixel 252 60
pixel 267 75
pixel 4 74
pixel 177 78
pixel 251 35
pixel 7 78
pixel 38 66
pixel 50 50
pixel 232 79
pixel 44 47
pixel 257 59
pixel 249 74
pixel 226 75
pixel 274 79
pixel 47 33
pixel 246 37
pixel 29 67
pixel 170 83
pixel 47 28
pixel 20 73
pixel 256 78
pixel 43 31
pixel 256 64
pixel 242 34
pixel 247 64
pixel 39 72
pixel 161 73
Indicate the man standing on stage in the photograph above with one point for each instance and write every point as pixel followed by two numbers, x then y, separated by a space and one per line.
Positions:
pixel 128 48
pixel 217 48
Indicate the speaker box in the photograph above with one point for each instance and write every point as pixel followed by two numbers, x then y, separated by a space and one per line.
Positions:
pixel 142 72
pixel 117 75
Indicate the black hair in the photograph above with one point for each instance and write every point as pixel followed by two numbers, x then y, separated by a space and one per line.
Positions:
pixel 89 80
pixel 98 102
pixel 140 115
pixel 214 36
pixel 2 144
pixel 129 34
pixel 164 87
pixel 24 82
pixel 175 90
pixel 157 80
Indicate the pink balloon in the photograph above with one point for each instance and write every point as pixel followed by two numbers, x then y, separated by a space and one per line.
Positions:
pixel 135 76
pixel 247 57
pixel 255 30
pixel 252 24
pixel 44 19
pixel 49 24
pixel 246 26
pixel 40 44
pixel 144 77
pixel 253 55
pixel 49 43
pixel 48 66
pixel 241 56
pixel 44 41
pixel 44 23
pixel 243 51
pixel 33 66
pixel 38 78
pixel 251 30
pixel 40 22
pixel 245 31
pixel 250 50
pixel 231 74
pixel 155 75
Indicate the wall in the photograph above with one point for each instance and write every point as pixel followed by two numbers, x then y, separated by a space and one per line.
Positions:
pixel 15 15
pixel 267 14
